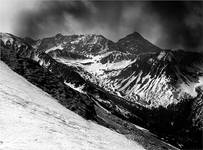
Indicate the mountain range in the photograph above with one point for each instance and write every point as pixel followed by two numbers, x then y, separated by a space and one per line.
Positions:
pixel 131 80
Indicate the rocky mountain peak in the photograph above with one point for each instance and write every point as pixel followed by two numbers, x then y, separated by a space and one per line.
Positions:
pixel 134 35
pixel 134 43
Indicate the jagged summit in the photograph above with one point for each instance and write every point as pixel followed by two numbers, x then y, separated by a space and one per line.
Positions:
pixel 134 43
pixel 92 44
pixel 134 35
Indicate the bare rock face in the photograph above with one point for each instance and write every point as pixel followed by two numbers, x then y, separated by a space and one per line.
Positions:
pixel 197 110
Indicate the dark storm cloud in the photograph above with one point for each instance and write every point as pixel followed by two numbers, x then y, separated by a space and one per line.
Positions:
pixel 182 23
pixel 51 16
pixel 167 24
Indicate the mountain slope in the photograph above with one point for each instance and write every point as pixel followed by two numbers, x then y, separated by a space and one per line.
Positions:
pixel 31 119
pixel 160 91
pixel 160 79
pixel 87 101
pixel 78 44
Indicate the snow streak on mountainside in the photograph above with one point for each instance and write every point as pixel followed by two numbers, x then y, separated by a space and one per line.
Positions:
pixel 161 79
pixel 151 77
pixel 31 119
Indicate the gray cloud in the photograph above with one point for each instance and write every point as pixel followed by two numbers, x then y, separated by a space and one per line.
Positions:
pixel 166 24
pixel 181 23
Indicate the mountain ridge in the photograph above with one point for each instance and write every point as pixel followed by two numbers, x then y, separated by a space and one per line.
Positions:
pixel 103 74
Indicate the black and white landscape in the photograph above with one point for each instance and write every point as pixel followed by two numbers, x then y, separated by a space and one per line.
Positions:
pixel 93 89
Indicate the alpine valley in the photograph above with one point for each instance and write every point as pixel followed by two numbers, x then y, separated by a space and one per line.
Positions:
pixel 151 95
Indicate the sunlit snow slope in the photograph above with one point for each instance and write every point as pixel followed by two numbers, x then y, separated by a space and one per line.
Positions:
pixel 32 119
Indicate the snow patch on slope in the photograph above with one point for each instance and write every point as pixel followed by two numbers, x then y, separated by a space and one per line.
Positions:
pixel 54 48
pixel 79 88
pixel 5 37
pixel 94 66
pixel 161 55
pixel 191 88
pixel 30 119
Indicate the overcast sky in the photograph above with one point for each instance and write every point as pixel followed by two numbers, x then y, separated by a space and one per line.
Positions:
pixel 166 24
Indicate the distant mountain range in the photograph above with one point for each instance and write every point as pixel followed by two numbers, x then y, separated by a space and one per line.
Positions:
pixel 132 79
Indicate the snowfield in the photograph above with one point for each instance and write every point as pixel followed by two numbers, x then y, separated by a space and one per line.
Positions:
pixel 30 119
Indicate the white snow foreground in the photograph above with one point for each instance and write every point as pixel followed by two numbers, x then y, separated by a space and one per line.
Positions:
pixel 30 119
